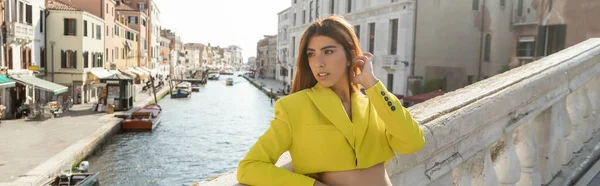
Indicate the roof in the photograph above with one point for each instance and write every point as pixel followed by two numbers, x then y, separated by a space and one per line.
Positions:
pixel 125 7
pixel 56 5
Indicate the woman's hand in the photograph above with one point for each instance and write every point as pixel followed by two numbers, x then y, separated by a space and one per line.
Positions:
pixel 366 78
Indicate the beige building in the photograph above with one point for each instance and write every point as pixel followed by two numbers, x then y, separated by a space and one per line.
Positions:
pixel 459 43
pixel 125 44
pixel 137 20
pixel 266 57
pixel 193 52
pixel 76 51
pixel 541 28
pixel 104 9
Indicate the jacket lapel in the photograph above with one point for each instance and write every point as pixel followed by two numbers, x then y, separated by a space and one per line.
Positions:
pixel 331 107
pixel 360 117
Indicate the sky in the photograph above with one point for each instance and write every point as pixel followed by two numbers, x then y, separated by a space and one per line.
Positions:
pixel 222 22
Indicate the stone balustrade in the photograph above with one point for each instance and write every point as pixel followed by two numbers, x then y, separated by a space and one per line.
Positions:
pixel 533 125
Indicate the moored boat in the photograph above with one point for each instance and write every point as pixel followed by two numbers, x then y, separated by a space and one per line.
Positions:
pixel 182 90
pixel 144 119
pixel 229 81
pixel 195 87
pixel 68 177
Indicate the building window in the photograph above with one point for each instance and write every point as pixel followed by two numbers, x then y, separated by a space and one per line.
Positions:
pixel 84 28
pixel 488 48
pixel 132 20
pixel 293 46
pixel 390 82
pixel 502 3
pixel 551 39
pixel 20 12
pixel 142 6
pixel 475 5
pixel 317 10
pixel 106 8
pixel 349 8
pixel 357 31
pixel 372 38
pixel 294 20
pixel 98 32
pixel 43 57
pixel 70 27
pixel 41 21
pixel 28 14
pixel 303 16
pixel 525 46
pixel 86 59
pixel 394 36
pixel 520 8
pixel 310 18
pixel 144 22
pixel 331 6
pixel 68 59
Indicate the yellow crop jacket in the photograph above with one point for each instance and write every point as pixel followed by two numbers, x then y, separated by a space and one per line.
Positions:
pixel 312 125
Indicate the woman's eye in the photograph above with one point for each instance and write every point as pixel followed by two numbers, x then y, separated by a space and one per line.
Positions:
pixel 310 54
pixel 328 51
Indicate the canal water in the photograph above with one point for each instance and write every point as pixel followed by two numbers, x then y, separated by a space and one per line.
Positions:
pixel 199 137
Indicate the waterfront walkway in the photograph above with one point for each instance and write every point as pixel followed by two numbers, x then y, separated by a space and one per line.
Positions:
pixel 27 148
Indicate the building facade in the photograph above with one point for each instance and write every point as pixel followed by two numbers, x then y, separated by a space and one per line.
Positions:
pixel 137 20
pixel 76 50
pixel 284 64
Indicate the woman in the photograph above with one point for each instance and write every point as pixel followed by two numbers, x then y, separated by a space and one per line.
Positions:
pixel 335 134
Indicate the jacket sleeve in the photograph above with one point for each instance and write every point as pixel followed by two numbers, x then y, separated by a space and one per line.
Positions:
pixel 258 167
pixel 403 133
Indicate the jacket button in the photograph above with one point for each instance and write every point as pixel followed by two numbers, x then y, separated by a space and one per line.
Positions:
pixel 382 93
pixel 386 98
pixel 393 108
pixel 389 103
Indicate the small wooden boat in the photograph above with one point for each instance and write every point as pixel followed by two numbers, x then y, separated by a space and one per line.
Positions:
pixel 195 87
pixel 229 82
pixel 183 90
pixel 68 178
pixel 144 119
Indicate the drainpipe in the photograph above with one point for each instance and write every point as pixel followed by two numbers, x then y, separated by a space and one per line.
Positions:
pixel 481 42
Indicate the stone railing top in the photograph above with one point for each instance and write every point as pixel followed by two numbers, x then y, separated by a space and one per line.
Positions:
pixel 452 122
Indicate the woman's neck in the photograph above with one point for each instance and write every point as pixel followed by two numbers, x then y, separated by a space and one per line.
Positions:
pixel 342 90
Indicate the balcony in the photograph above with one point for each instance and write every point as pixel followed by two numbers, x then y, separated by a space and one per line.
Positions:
pixel 392 62
pixel 523 19
pixel 20 33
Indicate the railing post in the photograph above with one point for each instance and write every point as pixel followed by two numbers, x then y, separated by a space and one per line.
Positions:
pixel 506 164
pixel 526 146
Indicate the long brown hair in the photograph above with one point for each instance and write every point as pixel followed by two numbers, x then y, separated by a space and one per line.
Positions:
pixel 339 30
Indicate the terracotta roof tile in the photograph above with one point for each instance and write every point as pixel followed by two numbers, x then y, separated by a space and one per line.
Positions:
pixel 55 5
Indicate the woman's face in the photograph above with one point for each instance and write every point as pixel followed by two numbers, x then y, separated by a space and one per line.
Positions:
pixel 327 60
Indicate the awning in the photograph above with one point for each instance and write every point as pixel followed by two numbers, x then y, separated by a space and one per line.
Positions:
pixel 153 72
pixel 142 71
pixel 128 73
pixel 5 82
pixel 423 97
pixel 138 72
pixel 41 84
pixel 100 73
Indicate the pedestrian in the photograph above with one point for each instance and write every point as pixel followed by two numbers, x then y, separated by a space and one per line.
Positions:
pixel 333 134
